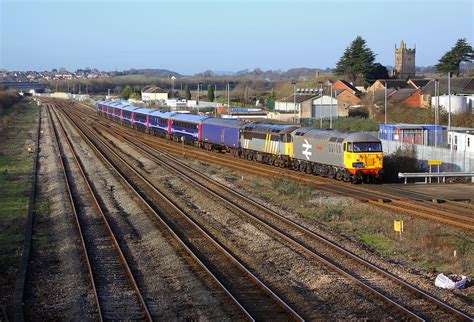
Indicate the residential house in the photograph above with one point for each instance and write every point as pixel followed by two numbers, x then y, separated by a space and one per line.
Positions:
pixel 347 96
pixel 459 86
pixel 391 83
pixel 409 97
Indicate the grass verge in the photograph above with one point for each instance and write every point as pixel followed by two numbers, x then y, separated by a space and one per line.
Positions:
pixel 16 166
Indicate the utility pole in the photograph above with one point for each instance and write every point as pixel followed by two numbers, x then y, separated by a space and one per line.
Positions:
pixel 330 110
pixel 321 105
pixel 294 100
pixel 385 99
pixel 449 101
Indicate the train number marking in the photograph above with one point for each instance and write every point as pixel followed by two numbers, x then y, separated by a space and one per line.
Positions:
pixel 307 153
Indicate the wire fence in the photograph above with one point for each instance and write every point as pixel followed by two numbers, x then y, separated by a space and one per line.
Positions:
pixel 452 160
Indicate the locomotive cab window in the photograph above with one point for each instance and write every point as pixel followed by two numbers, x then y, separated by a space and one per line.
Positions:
pixel 367 147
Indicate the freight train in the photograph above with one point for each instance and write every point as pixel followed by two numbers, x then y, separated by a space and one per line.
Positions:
pixel 351 157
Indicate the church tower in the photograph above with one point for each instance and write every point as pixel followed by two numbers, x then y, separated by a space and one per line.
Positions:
pixel 404 62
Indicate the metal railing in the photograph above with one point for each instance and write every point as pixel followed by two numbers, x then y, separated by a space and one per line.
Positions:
pixel 438 175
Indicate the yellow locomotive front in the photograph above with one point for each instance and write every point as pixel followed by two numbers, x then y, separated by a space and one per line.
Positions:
pixel 363 157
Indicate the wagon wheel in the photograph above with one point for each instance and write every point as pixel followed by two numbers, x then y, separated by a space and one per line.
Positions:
pixel 302 167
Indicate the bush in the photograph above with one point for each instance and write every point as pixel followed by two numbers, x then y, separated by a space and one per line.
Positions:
pixel 9 106
pixel 404 159
pixel 356 124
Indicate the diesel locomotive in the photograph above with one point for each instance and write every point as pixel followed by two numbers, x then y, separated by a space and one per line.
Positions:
pixel 352 157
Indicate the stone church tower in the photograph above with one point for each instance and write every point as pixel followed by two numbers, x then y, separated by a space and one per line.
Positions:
pixel 404 62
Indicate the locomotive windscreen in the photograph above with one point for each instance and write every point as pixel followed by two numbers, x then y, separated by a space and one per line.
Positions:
pixel 367 147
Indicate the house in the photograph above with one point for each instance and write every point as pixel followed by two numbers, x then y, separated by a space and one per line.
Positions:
pixel 391 83
pixel 154 93
pixel 459 85
pixel 342 85
pixel 303 103
pixel 347 99
pixel 347 95
pixel 409 97
pixel 418 83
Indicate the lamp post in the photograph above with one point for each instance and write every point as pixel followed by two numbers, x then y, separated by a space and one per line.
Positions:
pixel 197 102
pixel 172 86
pixel 293 82
pixel 330 110
pixel 321 107
pixel 436 84
pixel 385 100
pixel 215 100
pixel 449 101
pixel 228 97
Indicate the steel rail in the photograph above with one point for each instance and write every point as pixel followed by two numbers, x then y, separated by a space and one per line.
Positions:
pixel 74 212
pixel 292 313
pixel 168 228
pixel 104 219
pixel 363 194
pixel 293 224
pixel 370 196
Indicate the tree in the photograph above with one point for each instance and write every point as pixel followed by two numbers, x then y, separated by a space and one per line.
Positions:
pixel 210 93
pixel 126 92
pixel 187 93
pixel 356 62
pixel 450 62
pixel 378 71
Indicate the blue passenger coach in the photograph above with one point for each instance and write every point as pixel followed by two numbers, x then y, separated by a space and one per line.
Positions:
pixel 187 126
pixel 160 122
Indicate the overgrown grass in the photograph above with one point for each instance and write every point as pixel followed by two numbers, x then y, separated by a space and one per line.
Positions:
pixel 16 165
pixel 291 188
pixel 379 243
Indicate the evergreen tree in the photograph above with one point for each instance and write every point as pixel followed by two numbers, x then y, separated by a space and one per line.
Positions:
pixel 126 92
pixel 450 62
pixel 356 62
pixel 210 93
pixel 187 93
pixel 378 71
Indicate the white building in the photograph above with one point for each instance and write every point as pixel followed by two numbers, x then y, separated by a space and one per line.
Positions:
pixel 325 107
pixel 459 103
pixel 461 139
pixel 154 93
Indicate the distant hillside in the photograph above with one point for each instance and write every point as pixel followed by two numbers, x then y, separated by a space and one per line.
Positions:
pixel 293 73
pixel 161 73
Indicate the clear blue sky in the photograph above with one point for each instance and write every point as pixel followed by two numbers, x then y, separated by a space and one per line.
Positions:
pixel 192 36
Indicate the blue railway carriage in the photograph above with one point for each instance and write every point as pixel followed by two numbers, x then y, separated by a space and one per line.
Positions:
pixel 141 118
pixel 267 143
pixel 187 127
pixel 344 156
pixel 159 123
pixel 127 115
pixel 221 134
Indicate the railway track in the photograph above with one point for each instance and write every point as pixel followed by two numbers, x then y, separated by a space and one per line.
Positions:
pixel 410 300
pixel 255 299
pixel 450 215
pixel 116 292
